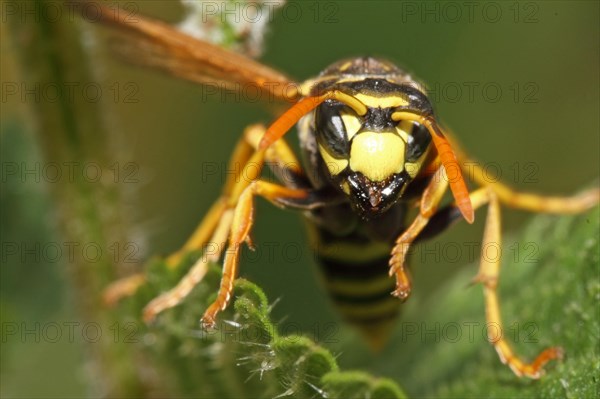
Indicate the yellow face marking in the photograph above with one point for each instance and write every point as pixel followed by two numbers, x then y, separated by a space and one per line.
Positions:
pixel 383 102
pixel 352 123
pixel 412 168
pixel 377 155
pixel 346 187
pixel 334 165
pixel 404 129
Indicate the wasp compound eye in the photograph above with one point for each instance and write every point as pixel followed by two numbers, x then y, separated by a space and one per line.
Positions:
pixel 331 130
pixel 418 141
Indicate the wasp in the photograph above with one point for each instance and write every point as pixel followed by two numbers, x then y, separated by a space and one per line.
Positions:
pixel 375 167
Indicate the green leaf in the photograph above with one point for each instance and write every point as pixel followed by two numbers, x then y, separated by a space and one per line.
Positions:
pixel 244 356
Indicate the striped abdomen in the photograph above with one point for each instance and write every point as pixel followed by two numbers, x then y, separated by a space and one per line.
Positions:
pixel 355 274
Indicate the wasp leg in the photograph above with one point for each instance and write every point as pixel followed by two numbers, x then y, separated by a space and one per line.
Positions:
pixel 241 154
pixel 279 156
pixel 195 275
pixel 243 219
pixel 127 286
pixel 429 202
pixel 533 202
pixel 526 201
pixel 122 288
pixel 512 198
pixel 488 275
pixel 236 219
pixel 282 158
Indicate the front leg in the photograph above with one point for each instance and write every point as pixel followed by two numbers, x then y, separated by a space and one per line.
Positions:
pixel 243 219
pixel 214 231
pixel 430 200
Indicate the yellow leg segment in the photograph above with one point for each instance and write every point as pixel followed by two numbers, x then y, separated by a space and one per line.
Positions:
pixel 430 200
pixel 243 219
pixel 526 201
pixel 225 226
pixel 493 193
pixel 175 295
pixel 534 202
pixel 244 154
pixel 241 156
pixel 489 272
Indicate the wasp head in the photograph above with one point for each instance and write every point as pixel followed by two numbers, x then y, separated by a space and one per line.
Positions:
pixel 371 157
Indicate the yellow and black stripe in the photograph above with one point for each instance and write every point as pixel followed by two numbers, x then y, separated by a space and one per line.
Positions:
pixel 354 272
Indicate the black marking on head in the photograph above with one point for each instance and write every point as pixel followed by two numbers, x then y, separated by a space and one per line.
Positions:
pixel 379 120
pixel 417 101
pixel 376 87
pixel 418 141
pixel 330 128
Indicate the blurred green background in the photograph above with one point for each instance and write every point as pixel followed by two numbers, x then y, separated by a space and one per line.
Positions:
pixel 540 131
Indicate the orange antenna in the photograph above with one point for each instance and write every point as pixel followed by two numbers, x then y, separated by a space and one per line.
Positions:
pixel 289 119
pixel 303 107
pixel 448 158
